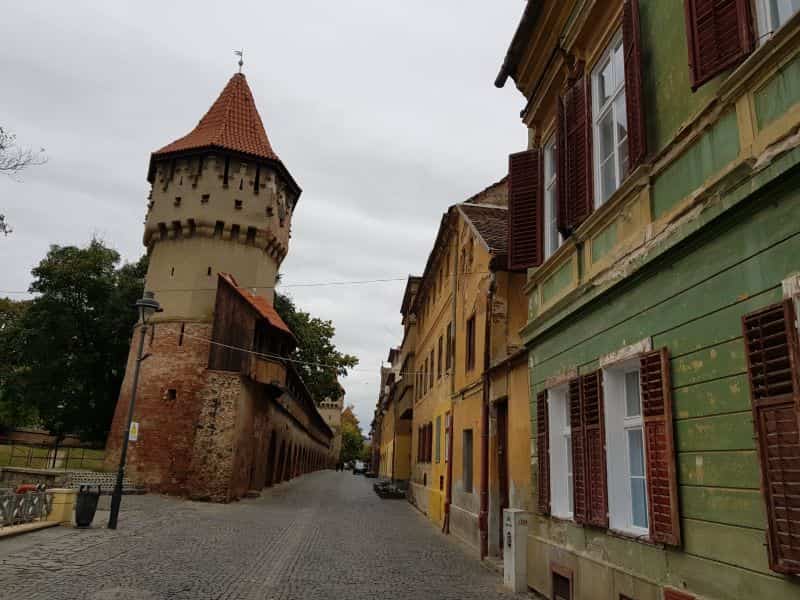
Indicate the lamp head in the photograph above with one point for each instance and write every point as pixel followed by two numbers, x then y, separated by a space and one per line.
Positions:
pixel 148 305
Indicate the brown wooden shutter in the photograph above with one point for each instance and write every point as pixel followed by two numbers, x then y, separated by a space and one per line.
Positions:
pixel 770 337
pixel 631 42
pixel 578 452
pixel 662 481
pixel 543 451
pixel 525 210
pixel 562 214
pixel 719 35
pixel 595 435
pixel 670 594
pixel 575 170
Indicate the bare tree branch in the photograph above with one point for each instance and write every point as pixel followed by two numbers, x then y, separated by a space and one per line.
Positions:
pixel 14 158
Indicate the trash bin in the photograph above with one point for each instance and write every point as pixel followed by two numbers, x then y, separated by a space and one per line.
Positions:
pixel 86 505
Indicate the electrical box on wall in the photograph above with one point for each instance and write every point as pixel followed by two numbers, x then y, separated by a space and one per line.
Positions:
pixel 515 545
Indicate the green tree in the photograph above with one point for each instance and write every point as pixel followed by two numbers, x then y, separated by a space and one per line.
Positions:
pixel 13 411
pixel 352 438
pixel 321 363
pixel 72 340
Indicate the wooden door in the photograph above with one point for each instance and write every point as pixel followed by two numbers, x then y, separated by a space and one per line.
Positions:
pixel 502 464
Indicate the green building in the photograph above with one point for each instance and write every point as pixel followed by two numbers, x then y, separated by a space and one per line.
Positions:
pixel 657 214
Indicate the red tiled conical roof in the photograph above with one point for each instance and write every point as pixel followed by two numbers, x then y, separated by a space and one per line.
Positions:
pixel 232 123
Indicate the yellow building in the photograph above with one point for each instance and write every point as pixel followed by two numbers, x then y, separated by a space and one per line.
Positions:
pixel 451 381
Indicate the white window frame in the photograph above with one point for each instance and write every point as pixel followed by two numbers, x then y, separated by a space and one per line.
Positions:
pixel 599 112
pixel 767 19
pixel 618 468
pixel 560 438
pixel 551 242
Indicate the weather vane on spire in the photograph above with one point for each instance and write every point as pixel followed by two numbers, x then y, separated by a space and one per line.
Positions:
pixel 240 54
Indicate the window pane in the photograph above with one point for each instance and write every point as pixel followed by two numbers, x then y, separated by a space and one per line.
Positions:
pixel 639 502
pixel 621 116
pixel 782 11
pixel 568 439
pixel 605 84
pixel 635 451
pixel 633 406
pixel 619 66
pixel 608 179
pixel 606 128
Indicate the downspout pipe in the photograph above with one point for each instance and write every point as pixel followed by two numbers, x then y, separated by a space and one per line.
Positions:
pixel 448 499
pixel 394 434
pixel 483 517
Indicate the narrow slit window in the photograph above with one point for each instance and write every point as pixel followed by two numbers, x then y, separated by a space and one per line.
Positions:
pixel 218 228
pixel 177 200
pixel 237 204
pixel 235 232
pixel 180 336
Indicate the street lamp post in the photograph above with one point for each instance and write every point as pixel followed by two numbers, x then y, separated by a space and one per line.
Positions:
pixel 147 305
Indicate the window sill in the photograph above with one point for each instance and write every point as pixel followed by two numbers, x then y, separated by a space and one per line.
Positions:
pixel 631 536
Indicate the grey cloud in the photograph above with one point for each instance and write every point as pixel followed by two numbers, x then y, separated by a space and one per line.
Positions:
pixel 385 113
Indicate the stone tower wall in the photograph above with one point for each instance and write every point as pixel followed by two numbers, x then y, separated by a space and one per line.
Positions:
pixel 167 407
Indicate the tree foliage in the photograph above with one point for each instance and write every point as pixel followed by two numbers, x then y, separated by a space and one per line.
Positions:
pixel 68 349
pixel 352 438
pixel 320 362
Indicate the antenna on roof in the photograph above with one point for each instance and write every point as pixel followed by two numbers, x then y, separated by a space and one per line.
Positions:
pixel 240 54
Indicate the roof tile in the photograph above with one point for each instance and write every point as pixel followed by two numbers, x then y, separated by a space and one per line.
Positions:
pixel 491 222
pixel 260 305
pixel 232 123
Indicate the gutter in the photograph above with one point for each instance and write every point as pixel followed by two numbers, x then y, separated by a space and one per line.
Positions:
pixel 483 517
pixel 448 500
pixel 521 36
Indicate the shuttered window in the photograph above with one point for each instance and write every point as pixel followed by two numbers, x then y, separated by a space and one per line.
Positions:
pixel 632 47
pixel 771 345
pixel 578 454
pixel 543 453
pixel 525 210
pixel 574 155
pixel 662 483
pixel 719 34
pixel 595 444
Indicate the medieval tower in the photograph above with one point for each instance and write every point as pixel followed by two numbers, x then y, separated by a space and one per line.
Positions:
pixel 219 210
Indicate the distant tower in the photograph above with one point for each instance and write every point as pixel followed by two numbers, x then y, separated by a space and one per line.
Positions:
pixel 221 202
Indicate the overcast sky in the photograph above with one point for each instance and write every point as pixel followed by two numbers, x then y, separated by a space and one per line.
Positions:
pixel 384 112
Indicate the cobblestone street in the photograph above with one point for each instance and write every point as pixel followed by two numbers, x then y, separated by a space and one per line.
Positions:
pixel 325 535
